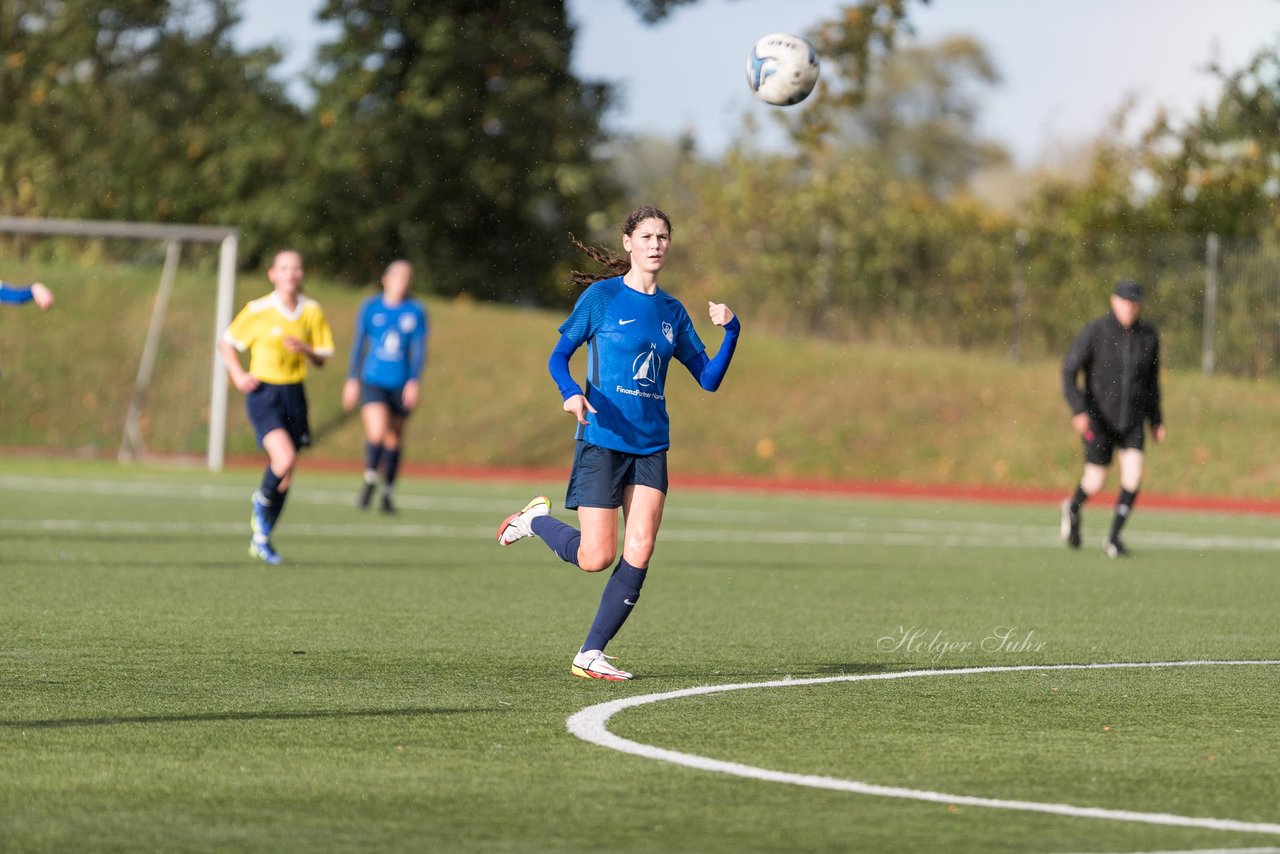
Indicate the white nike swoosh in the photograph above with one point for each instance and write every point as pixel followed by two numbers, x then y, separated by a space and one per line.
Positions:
pixel 625 322
pixel 628 602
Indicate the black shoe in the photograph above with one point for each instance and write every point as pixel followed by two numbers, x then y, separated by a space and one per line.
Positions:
pixel 366 496
pixel 387 506
pixel 1070 525
pixel 1115 548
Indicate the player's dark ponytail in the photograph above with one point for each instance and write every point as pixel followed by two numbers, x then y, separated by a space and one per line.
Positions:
pixel 613 264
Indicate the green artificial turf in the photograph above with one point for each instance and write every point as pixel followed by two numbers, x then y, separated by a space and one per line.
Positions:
pixel 402 683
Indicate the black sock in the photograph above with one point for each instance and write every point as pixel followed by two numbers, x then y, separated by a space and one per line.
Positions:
pixel 1124 506
pixel 372 456
pixel 390 459
pixel 1078 500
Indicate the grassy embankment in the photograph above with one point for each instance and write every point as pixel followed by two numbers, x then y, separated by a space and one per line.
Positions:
pixel 789 408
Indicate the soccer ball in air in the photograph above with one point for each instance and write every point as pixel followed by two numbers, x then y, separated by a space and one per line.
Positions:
pixel 782 69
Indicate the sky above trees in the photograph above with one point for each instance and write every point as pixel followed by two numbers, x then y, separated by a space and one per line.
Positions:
pixel 1066 65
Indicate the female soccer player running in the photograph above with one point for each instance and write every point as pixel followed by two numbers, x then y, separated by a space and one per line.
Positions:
pixel 282 331
pixel 632 330
pixel 384 375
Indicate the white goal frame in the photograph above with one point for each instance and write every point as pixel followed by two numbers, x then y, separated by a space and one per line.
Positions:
pixel 174 236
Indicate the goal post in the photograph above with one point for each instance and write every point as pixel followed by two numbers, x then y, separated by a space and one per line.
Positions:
pixel 173 235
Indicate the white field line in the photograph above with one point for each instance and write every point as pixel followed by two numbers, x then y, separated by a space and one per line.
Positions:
pixel 838 539
pixel 745 526
pixel 591 725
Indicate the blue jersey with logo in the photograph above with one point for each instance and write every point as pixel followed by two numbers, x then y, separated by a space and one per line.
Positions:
pixel 631 338
pixel 390 346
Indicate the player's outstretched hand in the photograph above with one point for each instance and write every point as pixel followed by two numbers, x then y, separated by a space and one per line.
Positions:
pixel 42 296
pixel 350 394
pixel 410 395
pixel 578 407
pixel 720 313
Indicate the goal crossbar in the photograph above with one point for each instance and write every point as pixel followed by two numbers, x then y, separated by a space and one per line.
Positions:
pixel 174 235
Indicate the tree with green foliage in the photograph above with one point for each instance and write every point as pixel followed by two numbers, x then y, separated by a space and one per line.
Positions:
pixel 1221 171
pixel 453 134
pixel 141 110
pixel 918 112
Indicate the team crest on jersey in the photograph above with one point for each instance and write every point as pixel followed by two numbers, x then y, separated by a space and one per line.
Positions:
pixel 408 323
pixel 668 333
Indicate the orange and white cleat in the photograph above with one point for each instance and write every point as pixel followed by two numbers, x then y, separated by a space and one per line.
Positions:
pixel 516 526
pixel 594 664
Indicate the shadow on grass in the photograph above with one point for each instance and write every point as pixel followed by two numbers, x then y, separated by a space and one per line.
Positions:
pixel 215 717
pixel 801 671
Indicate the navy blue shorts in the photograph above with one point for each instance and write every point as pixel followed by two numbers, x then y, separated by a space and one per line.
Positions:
pixel 600 475
pixel 1100 448
pixel 280 407
pixel 391 398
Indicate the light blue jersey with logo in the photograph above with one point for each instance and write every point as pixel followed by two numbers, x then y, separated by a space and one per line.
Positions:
pixel 395 338
pixel 631 338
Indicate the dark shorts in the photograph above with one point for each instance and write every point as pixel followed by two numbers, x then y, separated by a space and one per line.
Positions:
pixel 1105 441
pixel 279 407
pixel 600 475
pixel 392 398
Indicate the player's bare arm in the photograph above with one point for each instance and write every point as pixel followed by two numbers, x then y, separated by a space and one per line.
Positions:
pixel 244 381
pixel 297 345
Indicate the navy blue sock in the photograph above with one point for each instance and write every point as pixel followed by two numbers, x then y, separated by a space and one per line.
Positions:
pixel 270 488
pixel 391 459
pixel 274 511
pixel 621 594
pixel 372 456
pixel 563 539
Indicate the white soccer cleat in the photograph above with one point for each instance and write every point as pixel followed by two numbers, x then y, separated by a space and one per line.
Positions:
pixel 594 664
pixel 516 526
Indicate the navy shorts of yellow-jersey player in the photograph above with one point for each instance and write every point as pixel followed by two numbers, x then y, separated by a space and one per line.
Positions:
pixel 391 398
pixel 600 475
pixel 279 407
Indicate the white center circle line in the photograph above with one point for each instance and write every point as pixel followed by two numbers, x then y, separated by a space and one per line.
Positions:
pixel 592 725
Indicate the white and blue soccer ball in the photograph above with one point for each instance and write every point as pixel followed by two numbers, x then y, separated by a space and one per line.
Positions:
pixel 782 69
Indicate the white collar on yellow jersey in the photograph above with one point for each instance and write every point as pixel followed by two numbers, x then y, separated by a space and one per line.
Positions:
pixel 272 300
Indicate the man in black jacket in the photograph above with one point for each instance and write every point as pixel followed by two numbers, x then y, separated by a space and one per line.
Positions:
pixel 1120 357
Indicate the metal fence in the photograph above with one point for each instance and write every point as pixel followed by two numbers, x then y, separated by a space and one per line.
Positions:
pixel 1215 302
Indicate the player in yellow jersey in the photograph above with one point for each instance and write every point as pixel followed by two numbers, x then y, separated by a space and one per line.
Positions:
pixel 283 332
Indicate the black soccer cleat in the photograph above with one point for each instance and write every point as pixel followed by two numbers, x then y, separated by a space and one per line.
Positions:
pixel 1115 548
pixel 366 496
pixel 1070 530
pixel 387 507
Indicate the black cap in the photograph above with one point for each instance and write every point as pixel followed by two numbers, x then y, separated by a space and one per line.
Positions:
pixel 1129 289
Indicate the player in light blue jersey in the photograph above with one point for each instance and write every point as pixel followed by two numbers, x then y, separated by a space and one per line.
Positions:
pixel 633 330
pixel 387 357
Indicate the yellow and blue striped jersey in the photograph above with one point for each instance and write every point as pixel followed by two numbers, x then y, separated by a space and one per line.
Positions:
pixel 261 328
